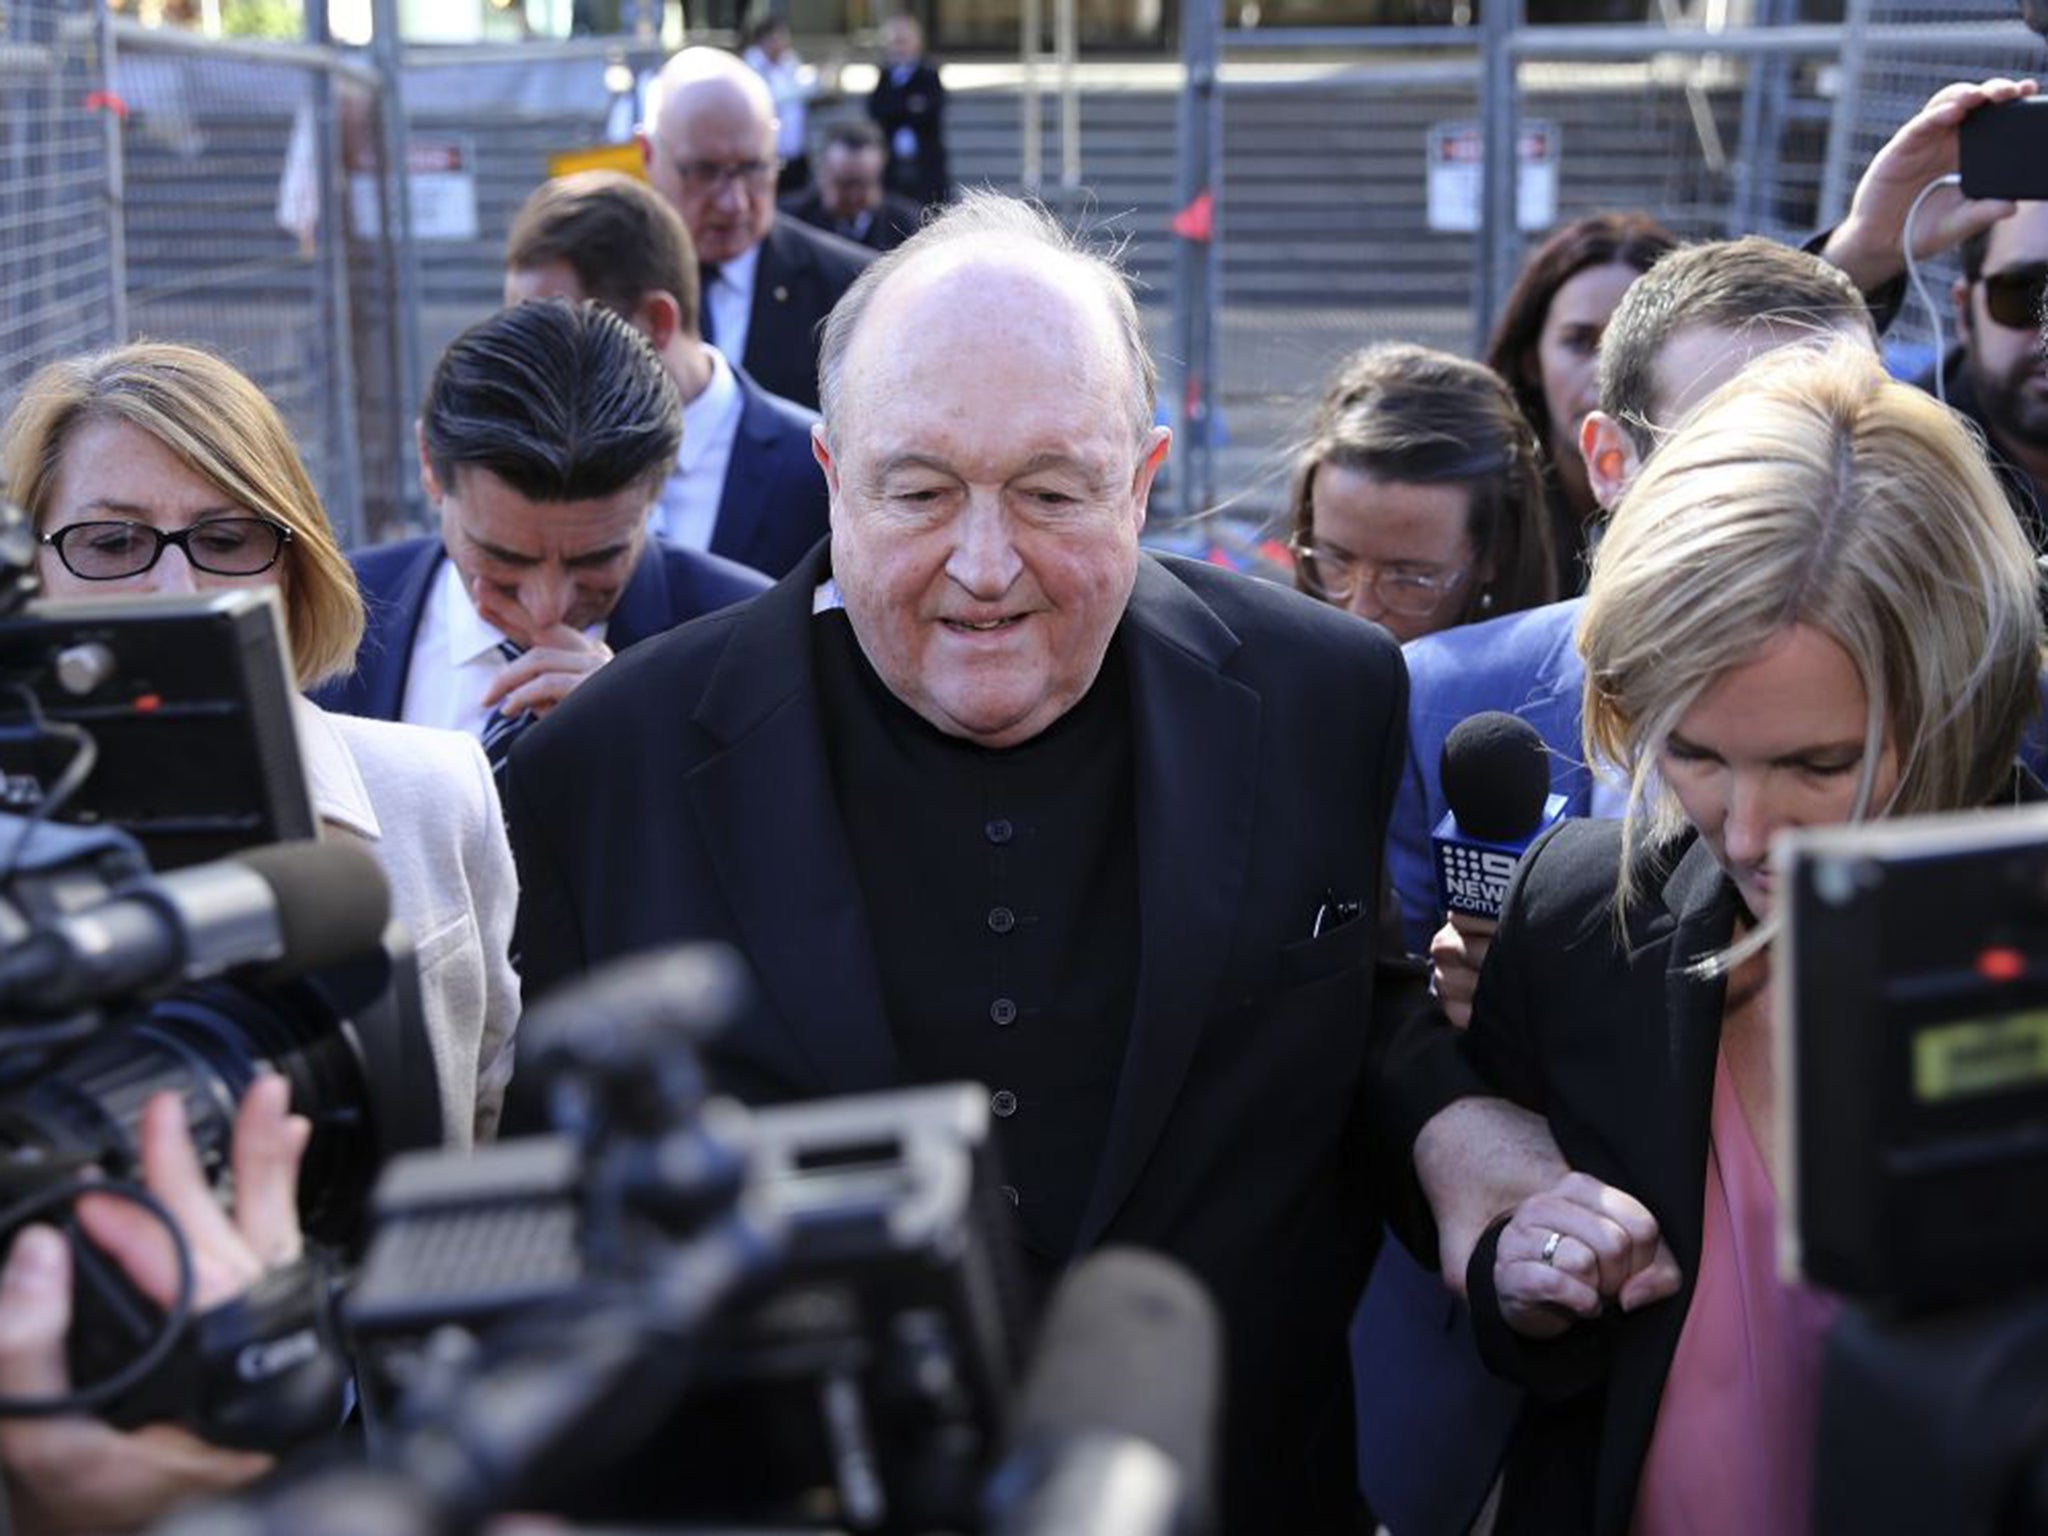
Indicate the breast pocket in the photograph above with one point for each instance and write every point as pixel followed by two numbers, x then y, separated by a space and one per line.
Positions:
pixel 1328 953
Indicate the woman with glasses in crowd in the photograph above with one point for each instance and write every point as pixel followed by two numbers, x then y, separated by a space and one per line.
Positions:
pixel 1813 607
pixel 159 468
pixel 1418 497
pixel 1546 344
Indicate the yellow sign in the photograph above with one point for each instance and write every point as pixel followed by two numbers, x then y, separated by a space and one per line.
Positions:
pixel 1979 1056
pixel 605 157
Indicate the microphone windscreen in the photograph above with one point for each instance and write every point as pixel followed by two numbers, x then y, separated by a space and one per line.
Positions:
pixel 332 902
pixel 1496 776
pixel 1131 1345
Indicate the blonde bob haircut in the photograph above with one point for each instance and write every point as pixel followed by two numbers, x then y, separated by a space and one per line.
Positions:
pixel 225 429
pixel 1814 490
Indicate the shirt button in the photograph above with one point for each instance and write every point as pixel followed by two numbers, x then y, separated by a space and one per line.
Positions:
pixel 999 831
pixel 1009 1193
pixel 1001 919
pixel 1004 1103
pixel 1003 1010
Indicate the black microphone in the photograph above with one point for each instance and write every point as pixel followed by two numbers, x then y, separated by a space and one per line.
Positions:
pixel 1496 778
pixel 292 908
pixel 1116 1428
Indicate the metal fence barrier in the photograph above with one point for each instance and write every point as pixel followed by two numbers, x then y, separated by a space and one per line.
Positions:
pixel 60 264
pixel 255 211
pixel 1760 127
pixel 244 196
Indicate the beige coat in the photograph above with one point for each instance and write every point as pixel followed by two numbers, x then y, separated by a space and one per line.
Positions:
pixel 425 802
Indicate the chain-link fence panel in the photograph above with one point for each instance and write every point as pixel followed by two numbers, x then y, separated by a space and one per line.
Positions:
pixel 1906 54
pixel 60 288
pixel 1349 206
pixel 255 215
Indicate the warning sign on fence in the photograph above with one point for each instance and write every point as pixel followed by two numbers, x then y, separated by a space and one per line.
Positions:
pixel 1457 171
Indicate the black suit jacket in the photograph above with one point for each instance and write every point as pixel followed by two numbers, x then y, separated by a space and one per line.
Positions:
pixel 918 104
pixel 1614 1042
pixel 893 223
pixel 668 586
pixel 772 507
pixel 685 793
pixel 801 274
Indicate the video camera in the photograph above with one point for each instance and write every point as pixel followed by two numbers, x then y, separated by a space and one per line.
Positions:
pixel 798 1309
pixel 170 719
pixel 690 1316
pixel 1911 983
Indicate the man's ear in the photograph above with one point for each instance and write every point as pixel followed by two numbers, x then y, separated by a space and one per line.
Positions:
pixel 646 143
pixel 1150 460
pixel 657 317
pixel 821 450
pixel 1959 295
pixel 1610 455
pixel 430 483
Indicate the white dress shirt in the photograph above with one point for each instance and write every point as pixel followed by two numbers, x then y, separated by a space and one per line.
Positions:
pixel 686 512
pixel 455 657
pixel 730 302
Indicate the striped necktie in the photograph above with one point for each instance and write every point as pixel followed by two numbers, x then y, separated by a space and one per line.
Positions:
pixel 500 729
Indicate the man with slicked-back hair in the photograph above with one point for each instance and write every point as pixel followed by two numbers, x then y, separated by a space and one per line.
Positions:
pixel 546 434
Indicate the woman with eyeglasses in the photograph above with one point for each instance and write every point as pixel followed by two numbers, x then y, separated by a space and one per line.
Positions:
pixel 1418 498
pixel 160 468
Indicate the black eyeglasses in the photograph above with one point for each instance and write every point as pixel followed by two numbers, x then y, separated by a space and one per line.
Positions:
pixel 220 546
pixel 1334 578
pixel 712 176
pixel 2013 297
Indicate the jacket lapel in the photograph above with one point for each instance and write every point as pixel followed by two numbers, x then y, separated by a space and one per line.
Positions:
pixel 768 815
pixel 643 608
pixel 1194 843
pixel 1668 1128
pixel 781 267
pixel 740 513
pixel 384 670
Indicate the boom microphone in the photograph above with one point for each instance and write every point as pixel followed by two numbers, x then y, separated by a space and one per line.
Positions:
pixel 1117 1425
pixel 1496 779
pixel 292 908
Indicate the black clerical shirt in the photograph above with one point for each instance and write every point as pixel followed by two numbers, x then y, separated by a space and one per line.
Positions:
pixel 1001 893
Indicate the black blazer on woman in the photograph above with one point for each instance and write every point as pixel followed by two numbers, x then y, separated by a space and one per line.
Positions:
pixel 1609 1037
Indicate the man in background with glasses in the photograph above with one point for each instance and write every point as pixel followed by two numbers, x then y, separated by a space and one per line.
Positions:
pixel 1996 374
pixel 709 148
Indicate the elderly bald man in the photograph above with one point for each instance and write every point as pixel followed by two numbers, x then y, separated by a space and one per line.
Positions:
pixel 709 148
pixel 986 793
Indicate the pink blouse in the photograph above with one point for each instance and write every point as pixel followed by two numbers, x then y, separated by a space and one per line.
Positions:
pixel 1733 1447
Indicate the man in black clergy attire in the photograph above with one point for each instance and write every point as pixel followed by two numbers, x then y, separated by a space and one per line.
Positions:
pixel 984 792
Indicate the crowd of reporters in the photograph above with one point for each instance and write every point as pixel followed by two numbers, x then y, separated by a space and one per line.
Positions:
pixel 1735 593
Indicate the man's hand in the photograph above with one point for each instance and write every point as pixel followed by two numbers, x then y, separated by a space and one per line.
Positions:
pixel 1475 1159
pixel 1456 952
pixel 1568 1252
pixel 74 1473
pixel 1869 243
pixel 558 659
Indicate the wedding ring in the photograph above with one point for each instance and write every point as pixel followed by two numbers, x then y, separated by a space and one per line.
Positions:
pixel 1550 1247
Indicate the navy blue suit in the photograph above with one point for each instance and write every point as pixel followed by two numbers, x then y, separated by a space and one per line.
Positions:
pixel 773 507
pixel 669 586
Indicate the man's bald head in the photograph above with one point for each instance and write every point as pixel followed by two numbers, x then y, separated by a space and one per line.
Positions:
pixel 1001 234
pixel 988 450
pixel 709 148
